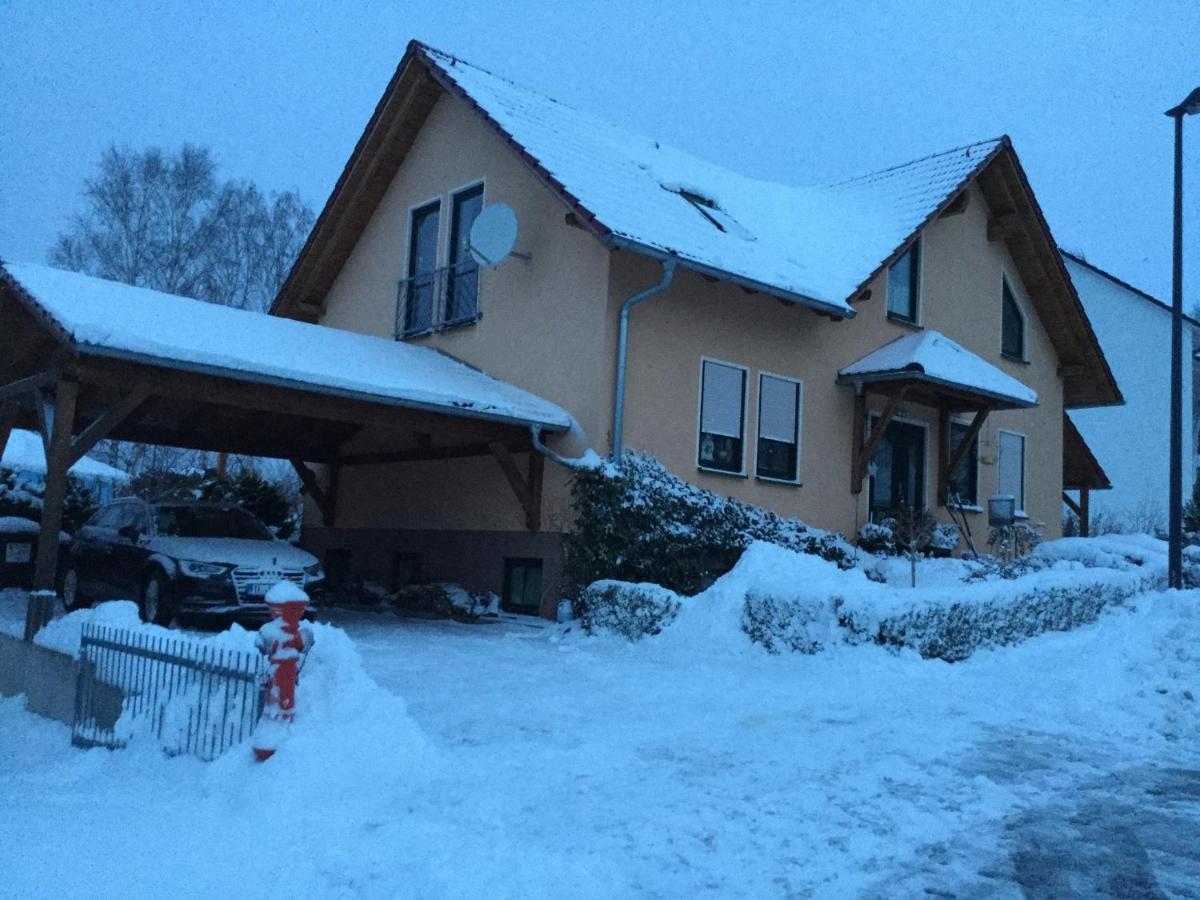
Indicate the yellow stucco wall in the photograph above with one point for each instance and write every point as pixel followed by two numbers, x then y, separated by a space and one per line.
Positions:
pixel 960 296
pixel 542 326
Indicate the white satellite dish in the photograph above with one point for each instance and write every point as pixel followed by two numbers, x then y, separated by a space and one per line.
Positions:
pixel 493 234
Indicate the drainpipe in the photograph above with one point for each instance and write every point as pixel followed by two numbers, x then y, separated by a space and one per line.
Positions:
pixel 590 461
pixel 668 272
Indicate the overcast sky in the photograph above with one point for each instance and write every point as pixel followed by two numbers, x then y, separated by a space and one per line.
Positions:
pixel 795 92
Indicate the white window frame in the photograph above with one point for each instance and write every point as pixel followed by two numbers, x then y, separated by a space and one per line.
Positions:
pixel 445 239
pixel 700 415
pixel 435 312
pixel 919 306
pixel 1020 505
pixel 1019 301
pixel 799 425
pixel 968 507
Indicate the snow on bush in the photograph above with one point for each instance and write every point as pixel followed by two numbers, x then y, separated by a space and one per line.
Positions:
pixel 636 522
pixel 630 610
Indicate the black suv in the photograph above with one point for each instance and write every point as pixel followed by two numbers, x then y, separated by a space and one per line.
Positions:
pixel 208 560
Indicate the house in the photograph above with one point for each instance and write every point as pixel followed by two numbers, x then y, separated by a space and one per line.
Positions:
pixel 25 456
pixel 828 352
pixel 1131 442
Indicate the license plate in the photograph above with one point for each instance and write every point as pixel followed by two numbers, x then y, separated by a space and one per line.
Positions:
pixel 17 553
pixel 259 588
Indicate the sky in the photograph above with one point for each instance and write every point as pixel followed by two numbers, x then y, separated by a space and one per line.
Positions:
pixel 791 92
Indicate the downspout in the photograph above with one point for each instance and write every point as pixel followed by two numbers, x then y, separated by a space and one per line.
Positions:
pixel 589 461
pixel 668 272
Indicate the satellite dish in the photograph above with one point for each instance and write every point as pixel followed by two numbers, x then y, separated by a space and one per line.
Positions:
pixel 493 234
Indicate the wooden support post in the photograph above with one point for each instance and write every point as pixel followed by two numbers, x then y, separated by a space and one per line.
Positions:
pixel 533 516
pixel 955 460
pixel 1071 504
pixel 61 420
pixel 25 385
pixel 322 496
pixel 530 500
pixel 872 444
pixel 943 485
pixel 1085 525
pixel 857 436
pixel 8 415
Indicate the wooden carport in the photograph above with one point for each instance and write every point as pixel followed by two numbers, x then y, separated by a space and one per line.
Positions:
pixel 81 360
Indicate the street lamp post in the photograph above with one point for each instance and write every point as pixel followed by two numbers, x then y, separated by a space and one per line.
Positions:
pixel 1190 106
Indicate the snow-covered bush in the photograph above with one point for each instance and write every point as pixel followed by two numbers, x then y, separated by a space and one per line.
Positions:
pixel 630 610
pixel 24 500
pixel 444 601
pixel 877 538
pixel 1014 541
pixel 799 624
pixel 637 522
pixel 945 537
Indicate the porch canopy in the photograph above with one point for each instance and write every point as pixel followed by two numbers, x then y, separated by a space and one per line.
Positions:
pixel 83 359
pixel 928 368
pixel 1082 472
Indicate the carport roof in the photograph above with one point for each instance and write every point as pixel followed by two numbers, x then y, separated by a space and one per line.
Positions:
pixel 115 320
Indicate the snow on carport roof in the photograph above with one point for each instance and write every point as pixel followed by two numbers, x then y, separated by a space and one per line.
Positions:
pixel 931 356
pixel 814 244
pixel 109 318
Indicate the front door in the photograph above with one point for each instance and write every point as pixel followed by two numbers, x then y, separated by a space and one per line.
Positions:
pixel 899 464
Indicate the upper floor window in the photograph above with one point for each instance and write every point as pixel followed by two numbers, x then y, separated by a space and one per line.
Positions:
pixel 462 279
pixel 722 416
pixel 1012 339
pixel 964 485
pixel 778 428
pixel 904 284
pixel 420 289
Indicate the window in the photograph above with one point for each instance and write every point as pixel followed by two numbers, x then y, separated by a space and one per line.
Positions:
pixel 1012 340
pixel 904 284
pixel 899 462
pixel 522 585
pixel 1011 480
pixel 420 287
pixel 963 486
pixel 462 289
pixel 778 428
pixel 722 416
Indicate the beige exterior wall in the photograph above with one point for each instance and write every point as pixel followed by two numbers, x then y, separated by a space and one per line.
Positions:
pixel 960 297
pixel 542 327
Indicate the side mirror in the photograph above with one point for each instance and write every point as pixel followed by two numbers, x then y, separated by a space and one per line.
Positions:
pixel 129 533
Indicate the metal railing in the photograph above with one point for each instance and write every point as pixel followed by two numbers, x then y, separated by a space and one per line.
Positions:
pixel 188 695
pixel 439 299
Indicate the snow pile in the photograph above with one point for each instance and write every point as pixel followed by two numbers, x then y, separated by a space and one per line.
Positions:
pixel 18 525
pixel 64 634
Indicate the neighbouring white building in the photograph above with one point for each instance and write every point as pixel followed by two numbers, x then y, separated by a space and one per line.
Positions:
pixel 25 455
pixel 1132 442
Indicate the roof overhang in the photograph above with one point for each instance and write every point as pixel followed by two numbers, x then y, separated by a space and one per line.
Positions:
pixel 1081 469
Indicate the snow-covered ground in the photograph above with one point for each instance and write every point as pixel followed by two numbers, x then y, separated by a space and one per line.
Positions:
pixel 530 762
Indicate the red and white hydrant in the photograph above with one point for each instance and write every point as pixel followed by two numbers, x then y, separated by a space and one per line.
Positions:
pixel 285 641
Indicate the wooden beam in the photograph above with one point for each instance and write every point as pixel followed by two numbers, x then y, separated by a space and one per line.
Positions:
pixel 26 385
pixel 857 436
pixel 1071 504
pixel 1085 524
pixel 533 515
pixel 8 416
pixel 528 492
pixel 1004 227
pixel 45 573
pixel 943 485
pixel 102 426
pixel 424 454
pixel 872 444
pixel 960 453
pixel 312 487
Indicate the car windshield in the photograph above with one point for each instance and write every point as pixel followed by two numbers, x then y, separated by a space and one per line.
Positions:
pixel 209 522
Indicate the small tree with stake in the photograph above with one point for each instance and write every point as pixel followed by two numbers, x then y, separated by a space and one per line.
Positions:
pixel 913 534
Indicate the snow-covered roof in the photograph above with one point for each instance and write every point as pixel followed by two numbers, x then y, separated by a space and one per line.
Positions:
pixel 931 356
pixel 815 244
pixel 108 318
pixel 25 453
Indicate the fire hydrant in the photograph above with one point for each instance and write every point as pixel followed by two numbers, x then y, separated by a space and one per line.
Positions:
pixel 284 641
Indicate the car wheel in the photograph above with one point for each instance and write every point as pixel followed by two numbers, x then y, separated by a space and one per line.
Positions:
pixel 71 597
pixel 156 599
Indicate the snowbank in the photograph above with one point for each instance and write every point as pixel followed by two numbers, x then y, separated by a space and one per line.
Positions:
pixel 63 634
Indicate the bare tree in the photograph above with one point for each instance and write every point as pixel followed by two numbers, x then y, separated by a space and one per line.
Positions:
pixel 165 222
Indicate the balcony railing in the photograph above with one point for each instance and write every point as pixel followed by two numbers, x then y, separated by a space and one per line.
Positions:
pixel 443 298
